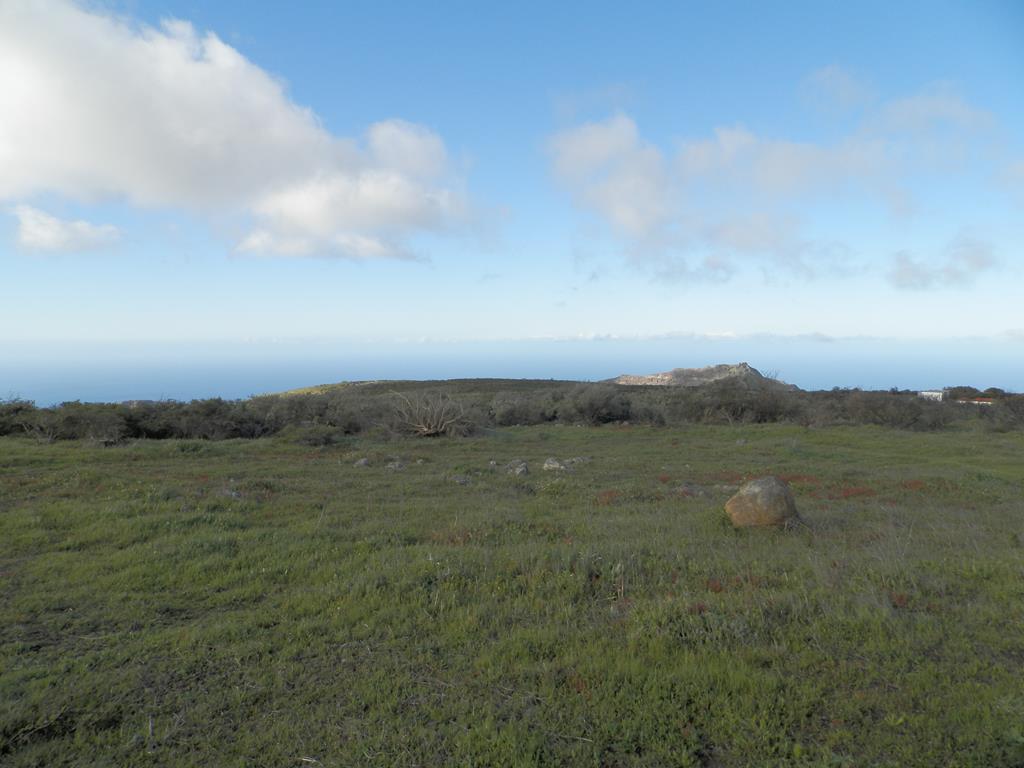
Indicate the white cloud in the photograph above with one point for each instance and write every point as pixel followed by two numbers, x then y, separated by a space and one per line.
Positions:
pixel 938 106
pixel 736 196
pixel 773 167
pixel 582 151
pixel 96 107
pixel 614 173
pixel 959 265
pixel 688 217
pixel 833 87
pixel 39 231
pixel 408 149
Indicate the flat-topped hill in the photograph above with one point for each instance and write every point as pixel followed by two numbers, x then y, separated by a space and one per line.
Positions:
pixel 741 373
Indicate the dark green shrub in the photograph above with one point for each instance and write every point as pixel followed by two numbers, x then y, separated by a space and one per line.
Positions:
pixel 15 416
pixel 1005 414
pixel 595 404
pixel 317 435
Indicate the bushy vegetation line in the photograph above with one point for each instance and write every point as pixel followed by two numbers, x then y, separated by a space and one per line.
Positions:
pixel 323 415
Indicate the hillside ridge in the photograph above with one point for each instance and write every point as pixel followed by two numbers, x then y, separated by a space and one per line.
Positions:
pixel 742 373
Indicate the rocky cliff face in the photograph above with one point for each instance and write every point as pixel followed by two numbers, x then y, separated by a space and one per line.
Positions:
pixel 698 377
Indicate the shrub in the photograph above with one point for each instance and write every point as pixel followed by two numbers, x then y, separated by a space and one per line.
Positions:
pixel 900 411
pixel 77 421
pixel 317 435
pixel 429 414
pixel 15 416
pixel 595 404
pixel 1005 414
pixel 509 409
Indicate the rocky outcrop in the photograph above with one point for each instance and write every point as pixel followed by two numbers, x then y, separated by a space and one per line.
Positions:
pixel 517 468
pixel 741 373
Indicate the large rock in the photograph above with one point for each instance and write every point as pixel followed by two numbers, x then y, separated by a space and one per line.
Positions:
pixel 765 501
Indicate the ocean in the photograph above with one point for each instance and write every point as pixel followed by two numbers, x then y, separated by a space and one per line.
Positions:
pixel 54 373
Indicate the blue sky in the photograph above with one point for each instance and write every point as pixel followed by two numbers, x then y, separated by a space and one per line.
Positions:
pixel 384 173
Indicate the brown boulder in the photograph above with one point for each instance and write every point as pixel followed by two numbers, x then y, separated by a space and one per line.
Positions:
pixel 765 501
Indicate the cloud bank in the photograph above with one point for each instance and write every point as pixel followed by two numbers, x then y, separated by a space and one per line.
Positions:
pixel 704 206
pixel 95 108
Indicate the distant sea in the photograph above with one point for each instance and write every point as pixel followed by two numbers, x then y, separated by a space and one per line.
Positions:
pixel 54 373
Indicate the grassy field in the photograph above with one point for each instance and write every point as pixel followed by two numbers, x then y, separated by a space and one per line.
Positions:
pixel 262 603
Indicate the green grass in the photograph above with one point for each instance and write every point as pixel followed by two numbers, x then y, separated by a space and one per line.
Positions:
pixel 263 603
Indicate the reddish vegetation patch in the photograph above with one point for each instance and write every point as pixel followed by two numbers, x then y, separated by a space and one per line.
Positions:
pixel 852 492
pixel 899 599
pixel 913 485
pixel 793 479
pixel 579 685
pixel 664 479
pixel 727 477
pixel 714 585
pixel 750 581
pixel 697 608
pixel 607 498
pixel 453 538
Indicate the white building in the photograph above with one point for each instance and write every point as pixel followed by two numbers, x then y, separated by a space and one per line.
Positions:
pixel 932 394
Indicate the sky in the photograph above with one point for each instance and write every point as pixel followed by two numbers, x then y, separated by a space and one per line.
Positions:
pixel 389 181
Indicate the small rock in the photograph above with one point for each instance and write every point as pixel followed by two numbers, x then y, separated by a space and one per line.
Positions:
pixel 765 501
pixel 231 493
pixel 691 490
pixel 363 462
pixel 460 479
pixel 492 464
pixel 741 441
pixel 577 460
pixel 419 461
pixel 553 465
pixel 517 468
pixel 395 466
